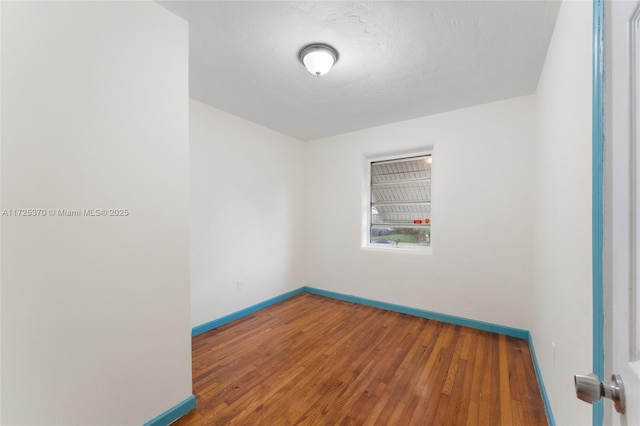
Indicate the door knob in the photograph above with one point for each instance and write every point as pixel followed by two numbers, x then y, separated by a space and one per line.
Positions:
pixel 590 389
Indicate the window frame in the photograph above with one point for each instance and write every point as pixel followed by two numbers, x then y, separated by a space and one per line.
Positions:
pixel 366 201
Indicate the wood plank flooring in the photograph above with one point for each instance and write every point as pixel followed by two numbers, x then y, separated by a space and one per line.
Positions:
pixel 312 360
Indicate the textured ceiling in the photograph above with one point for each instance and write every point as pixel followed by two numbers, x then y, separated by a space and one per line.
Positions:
pixel 398 59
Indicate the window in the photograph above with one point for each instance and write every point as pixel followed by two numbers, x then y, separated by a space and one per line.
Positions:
pixel 400 202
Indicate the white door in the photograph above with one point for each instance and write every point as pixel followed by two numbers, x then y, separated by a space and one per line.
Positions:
pixel 622 205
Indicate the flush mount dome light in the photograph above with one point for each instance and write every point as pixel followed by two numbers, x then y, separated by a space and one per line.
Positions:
pixel 318 58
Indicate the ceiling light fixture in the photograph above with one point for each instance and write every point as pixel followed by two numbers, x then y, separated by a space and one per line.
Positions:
pixel 318 58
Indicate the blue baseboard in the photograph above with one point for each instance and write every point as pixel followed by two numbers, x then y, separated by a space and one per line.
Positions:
pixel 174 413
pixel 203 328
pixel 480 325
pixel 451 319
pixel 543 391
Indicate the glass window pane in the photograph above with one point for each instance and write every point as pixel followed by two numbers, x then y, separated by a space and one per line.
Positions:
pixel 400 191
pixel 401 236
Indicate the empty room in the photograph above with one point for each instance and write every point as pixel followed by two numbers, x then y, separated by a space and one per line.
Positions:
pixel 272 212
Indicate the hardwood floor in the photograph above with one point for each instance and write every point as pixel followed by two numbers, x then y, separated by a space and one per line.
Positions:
pixel 320 361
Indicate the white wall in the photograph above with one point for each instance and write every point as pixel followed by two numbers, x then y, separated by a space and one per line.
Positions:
pixel 95 310
pixel 482 188
pixel 562 224
pixel 0 219
pixel 246 213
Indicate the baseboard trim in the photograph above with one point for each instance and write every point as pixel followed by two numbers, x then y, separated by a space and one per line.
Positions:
pixel 173 414
pixel 203 328
pixel 451 319
pixel 543 390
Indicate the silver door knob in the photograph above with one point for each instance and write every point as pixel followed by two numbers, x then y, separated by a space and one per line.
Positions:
pixel 590 389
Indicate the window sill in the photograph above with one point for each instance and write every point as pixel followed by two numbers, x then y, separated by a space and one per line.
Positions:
pixel 405 250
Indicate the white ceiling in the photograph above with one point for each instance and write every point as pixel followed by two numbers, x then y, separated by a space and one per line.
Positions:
pixel 398 59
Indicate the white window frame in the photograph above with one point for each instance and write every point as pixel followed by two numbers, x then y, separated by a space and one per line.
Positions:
pixel 366 201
